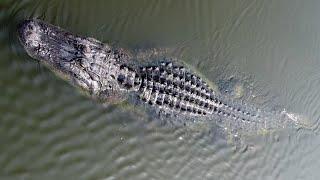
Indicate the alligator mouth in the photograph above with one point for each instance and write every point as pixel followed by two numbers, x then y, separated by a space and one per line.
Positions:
pixel 57 49
pixel 46 42
pixel 30 33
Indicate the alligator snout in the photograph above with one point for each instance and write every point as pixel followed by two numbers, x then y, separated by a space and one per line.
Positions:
pixel 29 35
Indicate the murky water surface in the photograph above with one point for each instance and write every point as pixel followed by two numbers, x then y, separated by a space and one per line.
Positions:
pixel 264 52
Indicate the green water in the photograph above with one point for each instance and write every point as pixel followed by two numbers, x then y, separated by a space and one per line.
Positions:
pixel 48 130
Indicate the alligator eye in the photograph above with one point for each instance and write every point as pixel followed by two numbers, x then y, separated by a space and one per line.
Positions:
pixel 79 47
pixel 121 78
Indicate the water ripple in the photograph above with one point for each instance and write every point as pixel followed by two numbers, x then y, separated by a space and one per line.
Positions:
pixel 48 129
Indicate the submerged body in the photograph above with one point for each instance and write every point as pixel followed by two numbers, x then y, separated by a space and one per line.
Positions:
pixel 109 75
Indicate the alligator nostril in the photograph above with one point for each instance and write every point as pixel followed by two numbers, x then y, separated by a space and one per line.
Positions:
pixel 28 33
pixel 30 27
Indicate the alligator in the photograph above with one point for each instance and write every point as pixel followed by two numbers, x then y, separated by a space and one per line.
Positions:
pixel 108 74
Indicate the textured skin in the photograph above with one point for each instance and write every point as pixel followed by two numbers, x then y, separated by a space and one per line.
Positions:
pixel 107 74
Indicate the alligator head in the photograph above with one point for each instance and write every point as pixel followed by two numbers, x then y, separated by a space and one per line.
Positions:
pixel 84 62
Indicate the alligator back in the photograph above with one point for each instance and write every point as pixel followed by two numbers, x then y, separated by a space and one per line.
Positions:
pixel 175 89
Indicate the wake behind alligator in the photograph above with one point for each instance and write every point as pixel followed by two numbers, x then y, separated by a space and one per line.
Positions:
pixel 109 75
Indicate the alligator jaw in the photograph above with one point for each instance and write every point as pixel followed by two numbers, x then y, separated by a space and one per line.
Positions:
pixel 73 58
pixel 45 43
